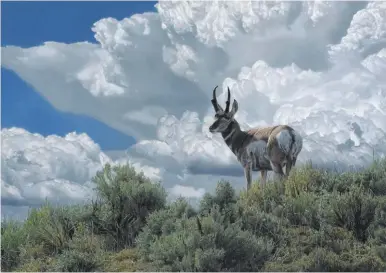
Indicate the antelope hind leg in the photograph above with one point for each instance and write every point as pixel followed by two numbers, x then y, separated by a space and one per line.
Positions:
pixel 288 166
pixel 278 169
pixel 248 175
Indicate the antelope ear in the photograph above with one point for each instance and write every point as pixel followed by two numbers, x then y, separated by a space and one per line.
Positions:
pixel 235 107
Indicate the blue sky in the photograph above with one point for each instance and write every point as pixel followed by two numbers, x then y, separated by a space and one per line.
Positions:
pixel 28 24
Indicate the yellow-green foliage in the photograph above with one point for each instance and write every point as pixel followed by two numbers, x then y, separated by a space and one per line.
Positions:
pixel 50 227
pixel 126 199
pixel 126 260
pixel 303 179
pixel 268 198
pixel 314 221
pixel 85 253
pixel 42 264
pixel 13 236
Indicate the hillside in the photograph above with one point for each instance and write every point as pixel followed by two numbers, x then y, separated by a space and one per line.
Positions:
pixel 315 221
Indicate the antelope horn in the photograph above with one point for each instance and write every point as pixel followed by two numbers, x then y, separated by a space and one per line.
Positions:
pixel 214 100
pixel 228 101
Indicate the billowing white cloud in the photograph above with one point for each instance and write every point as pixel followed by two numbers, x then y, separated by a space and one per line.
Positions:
pixel 37 168
pixel 59 170
pixel 366 34
pixel 167 62
pixel 318 66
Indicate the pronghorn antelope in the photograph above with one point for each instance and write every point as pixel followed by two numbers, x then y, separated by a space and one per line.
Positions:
pixel 258 149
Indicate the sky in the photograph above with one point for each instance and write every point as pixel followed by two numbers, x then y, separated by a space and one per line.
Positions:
pixel 28 24
pixel 316 66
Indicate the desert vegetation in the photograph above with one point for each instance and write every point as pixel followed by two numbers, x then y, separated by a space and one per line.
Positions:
pixel 315 221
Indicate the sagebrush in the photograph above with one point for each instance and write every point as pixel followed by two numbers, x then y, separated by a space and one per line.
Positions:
pixel 315 221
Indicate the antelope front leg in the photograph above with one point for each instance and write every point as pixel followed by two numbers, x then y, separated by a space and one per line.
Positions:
pixel 263 177
pixel 248 175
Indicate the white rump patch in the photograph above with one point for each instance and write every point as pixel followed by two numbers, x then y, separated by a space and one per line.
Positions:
pixel 284 141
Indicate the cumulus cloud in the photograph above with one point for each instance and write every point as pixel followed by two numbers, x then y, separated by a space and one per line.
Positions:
pixel 59 170
pixel 318 66
pixel 37 168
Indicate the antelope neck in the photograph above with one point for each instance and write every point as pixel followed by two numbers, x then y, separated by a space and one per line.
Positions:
pixel 234 137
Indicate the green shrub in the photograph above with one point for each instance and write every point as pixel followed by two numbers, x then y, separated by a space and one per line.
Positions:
pixel 34 258
pixel 13 235
pixel 76 261
pixel 43 264
pixel 377 229
pixel 224 200
pixel 373 178
pixel 224 196
pixel 376 177
pixel 319 260
pixel 206 244
pixel 305 179
pixel 126 260
pixel 304 210
pixel 263 224
pixel 85 253
pixel 380 214
pixel 362 258
pixel 308 256
pixel 51 227
pixel 126 198
pixel 269 199
pixel 314 221
pixel 162 223
pixel 353 210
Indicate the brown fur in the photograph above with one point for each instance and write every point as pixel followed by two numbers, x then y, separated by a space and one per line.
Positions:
pixel 238 141
pixel 267 133
pixel 276 155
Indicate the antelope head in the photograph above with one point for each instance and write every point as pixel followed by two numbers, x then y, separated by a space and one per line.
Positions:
pixel 223 119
